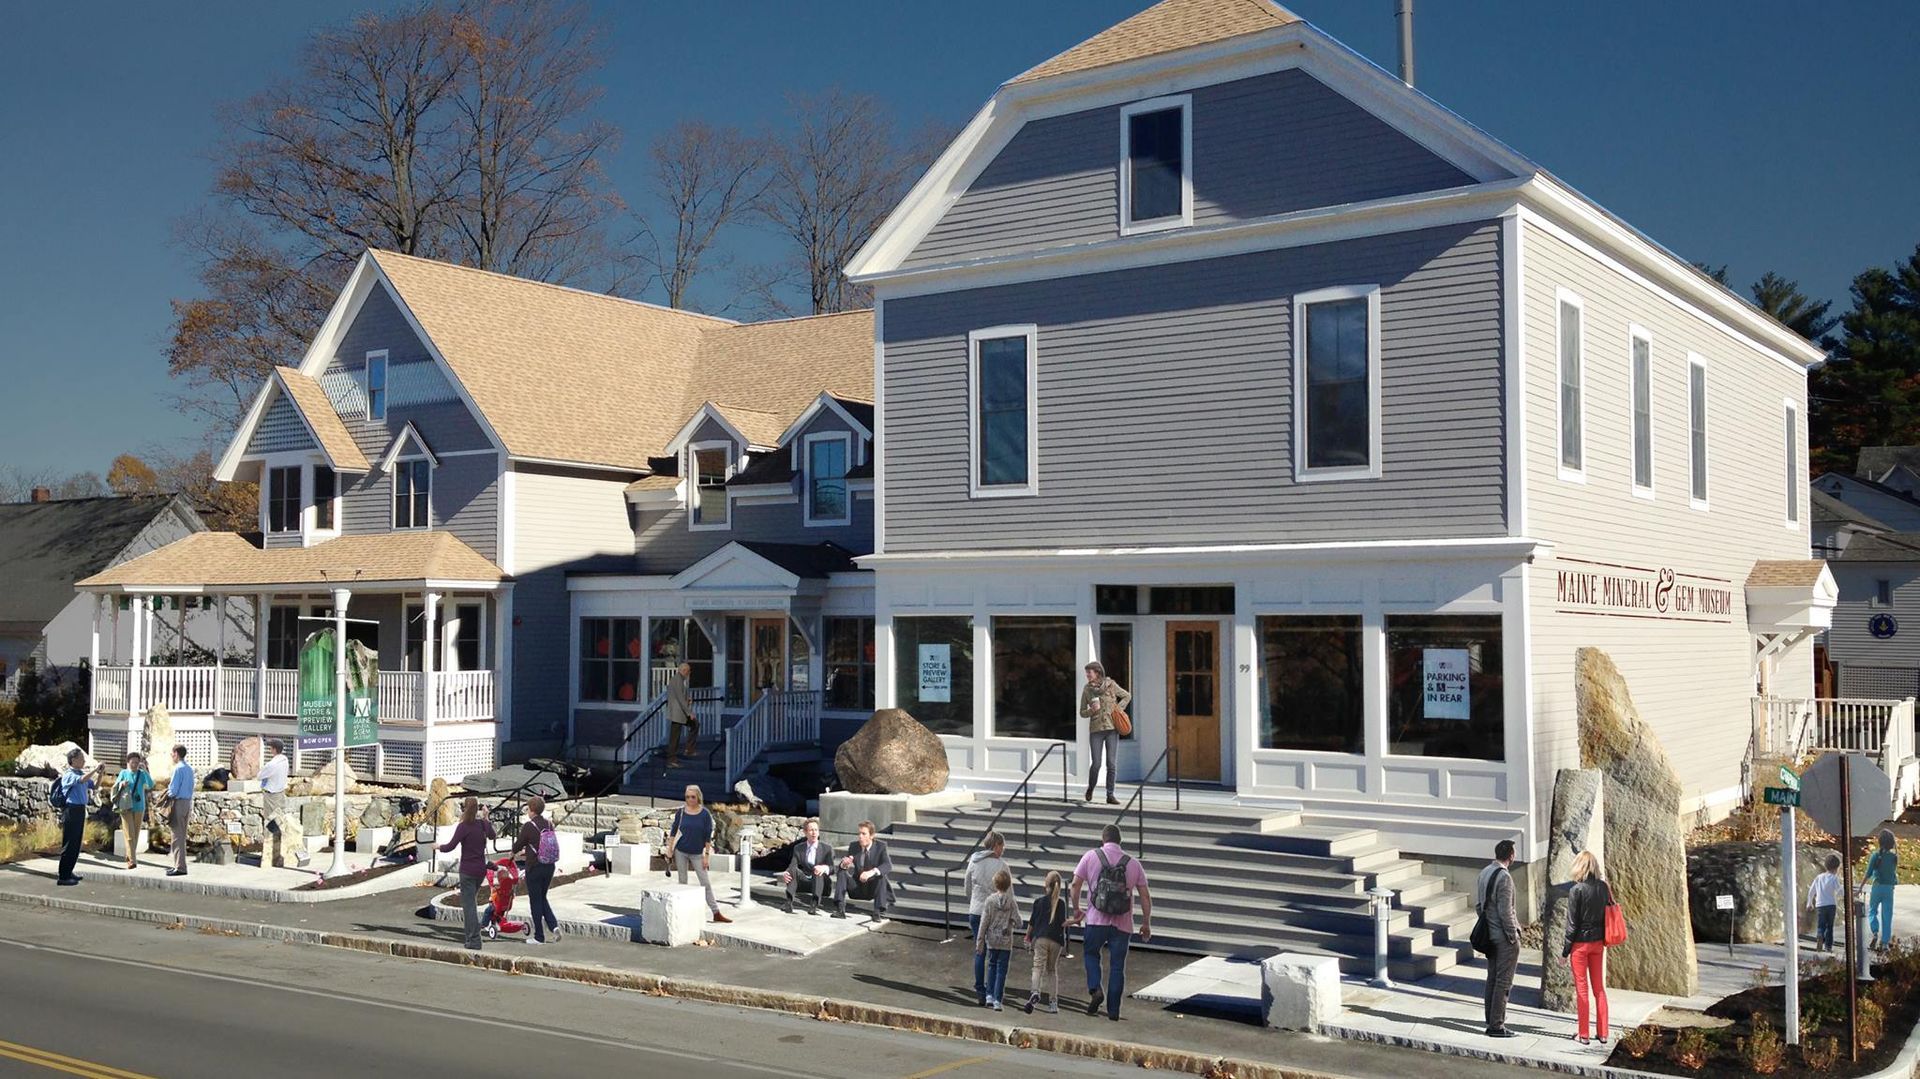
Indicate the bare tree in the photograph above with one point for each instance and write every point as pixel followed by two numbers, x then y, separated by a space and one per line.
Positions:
pixel 703 178
pixel 17 485
pixel 834 178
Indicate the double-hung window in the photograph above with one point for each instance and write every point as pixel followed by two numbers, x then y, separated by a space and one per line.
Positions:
pixel 1573 402
pixel 826 460
pixel 1336 375
pixel 1005 419
pixel 283 499
pixel 326 488
pixel 710 465
pixel 1156 161
pixel 376 386
pixel 412 493
pixel 1640 359
pixel 1697 429
pixel 1793 463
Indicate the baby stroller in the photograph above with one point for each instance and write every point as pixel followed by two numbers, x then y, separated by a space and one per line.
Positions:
pixel 503 878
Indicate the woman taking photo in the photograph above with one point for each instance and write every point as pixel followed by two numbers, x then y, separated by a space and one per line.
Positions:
pixel 1586 946
pixel 130 789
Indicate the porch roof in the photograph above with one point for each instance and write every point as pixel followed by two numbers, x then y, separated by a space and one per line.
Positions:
pixel 228 561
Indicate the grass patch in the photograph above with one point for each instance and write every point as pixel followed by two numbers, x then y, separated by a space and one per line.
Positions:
pixel 41 837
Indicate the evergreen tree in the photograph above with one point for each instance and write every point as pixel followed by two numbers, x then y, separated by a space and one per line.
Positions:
pixel 1797 311
pixel 1869 394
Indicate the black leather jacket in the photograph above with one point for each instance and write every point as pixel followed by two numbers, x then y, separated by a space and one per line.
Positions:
pixel 1587 912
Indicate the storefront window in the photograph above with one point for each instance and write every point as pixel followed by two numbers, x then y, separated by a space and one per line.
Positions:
pixel 610 659
pixel 1312 684
pixel 933 672
pixel 736 662
pixel 797 656
pixel 850 664
pixel 1033 685
pixel 1444 691
pixel 698 654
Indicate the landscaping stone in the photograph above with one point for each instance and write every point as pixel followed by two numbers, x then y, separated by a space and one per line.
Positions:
pixel 372 840
pixel 159 734
pixel 892 753
pixel 628 859
pixel 631 827
pixel 441 808
pixel 244 761
pixel 24 801
pixel 1750 872
pixel 314 816
pixel 322 782
pixel 672 914
pixel 1299 992
pixel 1576 825
pixel 378 814
pixel 1645 842
pixel 46 762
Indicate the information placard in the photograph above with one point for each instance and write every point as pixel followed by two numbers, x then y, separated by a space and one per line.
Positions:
pixel 1445 683
pixel 936 673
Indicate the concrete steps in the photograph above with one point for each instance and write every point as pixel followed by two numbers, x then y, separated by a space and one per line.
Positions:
pixel 1226 880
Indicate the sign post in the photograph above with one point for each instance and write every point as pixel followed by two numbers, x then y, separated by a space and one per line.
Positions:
pixel 1847 794
pixel 1790 907
pixel 338 706
pixel 1725 902
pixel 1853 922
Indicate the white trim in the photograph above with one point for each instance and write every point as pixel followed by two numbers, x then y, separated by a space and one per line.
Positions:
pixel 975 489
pixel 555 462
pixel 297 462
pixel 1792 502
pixel 310 512
pixel 236 450
pixel 1302 473
pixel 690 482
pixel 396 450
pixel 509 488
pixel 1704 460
pixel 732 551
pixel 1636 333
pixel 1562 299
pixel 879 406
pixel 366 383
pixel 706 411
pixel 826 402
pixel 1183 102
pixel 846 439
pixel 393 500
pixel 1513 250
pixel 1495 547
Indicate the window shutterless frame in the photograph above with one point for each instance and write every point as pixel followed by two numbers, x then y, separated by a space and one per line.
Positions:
pixel 692 471
pixel 1790 414
pixel 812 482
pixel 375 384
pixel 1698 493
pixel 1184 103
pixel 1570 378
pixel 1640 410
pixel 976 451
pixel 412 484
pixel 1302 472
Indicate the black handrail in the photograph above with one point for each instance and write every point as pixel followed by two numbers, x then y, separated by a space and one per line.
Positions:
pixel 1138 803
pixel 1026 827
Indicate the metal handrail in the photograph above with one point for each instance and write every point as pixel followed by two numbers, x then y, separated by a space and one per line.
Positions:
pixel 1026 828
pixel 1138 803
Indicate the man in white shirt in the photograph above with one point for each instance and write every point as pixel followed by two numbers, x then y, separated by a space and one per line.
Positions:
pixel 273 803
pixel 812 865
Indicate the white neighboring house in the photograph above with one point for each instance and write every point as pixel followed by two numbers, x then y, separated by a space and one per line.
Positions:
pixel 47 544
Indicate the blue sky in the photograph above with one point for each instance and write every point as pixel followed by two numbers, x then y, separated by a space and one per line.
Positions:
pixel 1761 134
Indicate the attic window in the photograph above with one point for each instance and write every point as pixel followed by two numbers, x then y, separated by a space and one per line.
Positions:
pixel 827 479
pixel 1156 181
pixel 711 463
pixel 377 385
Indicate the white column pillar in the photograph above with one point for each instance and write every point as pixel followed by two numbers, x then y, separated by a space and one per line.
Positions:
pixel 117 660
pixel 220 658
pixel 644 692
pixel 429 616
pixel 135 659
pixel 339 866
pixel 262 612
pixel 93 642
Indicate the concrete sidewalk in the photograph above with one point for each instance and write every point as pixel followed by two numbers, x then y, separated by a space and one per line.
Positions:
pixel 238 880
pixel 894 969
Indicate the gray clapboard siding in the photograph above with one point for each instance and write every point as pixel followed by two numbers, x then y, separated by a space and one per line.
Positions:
pixel 666 545
pixel 1849 641
pixel 1897 513
pixel 465 498
pixel 1263 145
pixel 1166 404
pixel 280 430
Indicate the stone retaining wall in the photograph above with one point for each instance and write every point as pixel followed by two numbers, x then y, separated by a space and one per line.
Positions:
pixel 23 801
pixel 774 832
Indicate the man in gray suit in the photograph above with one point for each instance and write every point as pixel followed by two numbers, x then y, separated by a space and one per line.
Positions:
pixel 1493 901
pixel 680 713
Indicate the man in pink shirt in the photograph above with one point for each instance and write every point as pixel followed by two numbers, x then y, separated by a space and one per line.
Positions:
pixel 1111 877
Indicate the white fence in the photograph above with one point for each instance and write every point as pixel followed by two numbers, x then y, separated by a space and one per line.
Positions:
pixel 1793 727
pixel 781 717
pixel 462 695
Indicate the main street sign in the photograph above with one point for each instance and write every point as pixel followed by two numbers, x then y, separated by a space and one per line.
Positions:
pixel 1782 796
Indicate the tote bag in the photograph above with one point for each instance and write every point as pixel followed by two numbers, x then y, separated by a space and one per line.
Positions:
pixel 1616 923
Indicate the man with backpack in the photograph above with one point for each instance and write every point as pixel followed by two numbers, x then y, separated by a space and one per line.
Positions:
pixel 1498 934
pixel 1111 878
pixel 542 847
pixel 70 794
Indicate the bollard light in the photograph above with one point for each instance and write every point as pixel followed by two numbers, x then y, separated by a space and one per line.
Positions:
pixel 744 844
pixel 1382 900
pixel 1863 968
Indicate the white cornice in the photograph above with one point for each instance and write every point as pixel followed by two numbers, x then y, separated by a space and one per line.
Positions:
pixel 1498 548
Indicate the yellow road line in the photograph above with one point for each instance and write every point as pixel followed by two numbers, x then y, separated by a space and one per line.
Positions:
pixel 59 1062
pixel 944 1068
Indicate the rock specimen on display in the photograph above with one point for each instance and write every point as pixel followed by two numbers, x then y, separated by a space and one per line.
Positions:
pixel 892 753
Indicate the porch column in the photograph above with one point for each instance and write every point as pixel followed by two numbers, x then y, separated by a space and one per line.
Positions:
pixel 644 693
pixel 429 616
pixel 116 629
pixel 93 644
pixel 137 660
pixel 262 608
pixel 219 661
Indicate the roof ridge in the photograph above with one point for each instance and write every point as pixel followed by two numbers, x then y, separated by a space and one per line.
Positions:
pixel 797 318
pixel 662 308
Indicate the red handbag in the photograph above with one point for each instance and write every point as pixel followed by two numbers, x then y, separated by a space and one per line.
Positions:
pixel 1122 723
pixel 1616 926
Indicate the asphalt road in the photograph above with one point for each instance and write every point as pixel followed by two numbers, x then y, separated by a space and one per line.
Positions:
pixel 114 999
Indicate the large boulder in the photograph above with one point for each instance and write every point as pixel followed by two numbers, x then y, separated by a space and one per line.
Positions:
pixel 323 780
pixel 159 733
pixel 1646 846
pixel 441 808
pixel 378 814
pixel 244 762
pixel 1750 872
pixel 1577 824
pixel 46 761
pixel 892 753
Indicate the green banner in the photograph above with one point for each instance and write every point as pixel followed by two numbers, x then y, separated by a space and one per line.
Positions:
pixel 317 706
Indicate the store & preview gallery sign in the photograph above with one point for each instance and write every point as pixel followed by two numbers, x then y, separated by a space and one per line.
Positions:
pixel 1607 588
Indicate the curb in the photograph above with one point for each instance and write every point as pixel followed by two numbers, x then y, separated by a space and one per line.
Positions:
pixel 825 1009
pixel 623 934
pixel 262 894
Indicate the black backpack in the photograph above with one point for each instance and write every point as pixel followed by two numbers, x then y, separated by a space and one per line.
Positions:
pixel 1110 892
pixel 1482 936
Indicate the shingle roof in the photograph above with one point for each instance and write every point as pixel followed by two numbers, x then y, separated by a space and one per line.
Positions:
pixel 654 483
pixel 1796 573
pixel 1827 508
pixel 1888 547
pixel 773 467
pixel 805 559
pixel 861 410
pixel 216 560
pixel 46 546
pixel 1165 27
pixel 309 398
pixel 618 378
pixel 1874 461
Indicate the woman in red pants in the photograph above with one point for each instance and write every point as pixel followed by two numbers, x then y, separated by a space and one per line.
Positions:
pixel 1586 945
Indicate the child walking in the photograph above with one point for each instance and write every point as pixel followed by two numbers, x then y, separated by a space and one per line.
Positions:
pixel 999 920
pixel 1823 898
pixel 1882 874
pixel 1047 935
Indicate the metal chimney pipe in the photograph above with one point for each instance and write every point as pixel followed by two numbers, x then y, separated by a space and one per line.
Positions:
pixel 1403 14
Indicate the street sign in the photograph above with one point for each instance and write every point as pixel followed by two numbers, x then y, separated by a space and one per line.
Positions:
pixel 1871 796
pixel 1782 796
pixel 1789 780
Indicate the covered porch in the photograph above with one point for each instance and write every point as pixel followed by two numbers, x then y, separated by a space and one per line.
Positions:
pixel 426 605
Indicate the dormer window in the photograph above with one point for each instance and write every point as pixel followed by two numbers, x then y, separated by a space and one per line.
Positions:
pixel 1156 152
pixel 377 385
pixel 413 493
pixel 326 492
pixel 711 463
pixel 283 499
pixel 826 479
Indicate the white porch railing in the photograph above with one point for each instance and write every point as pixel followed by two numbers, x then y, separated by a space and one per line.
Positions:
pixel 239 690
pixel 657 681
pixel 110 688
pixel 282 690
pixel 1793 727
pixel 780 717
pixel 461 696
pixel 400 696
